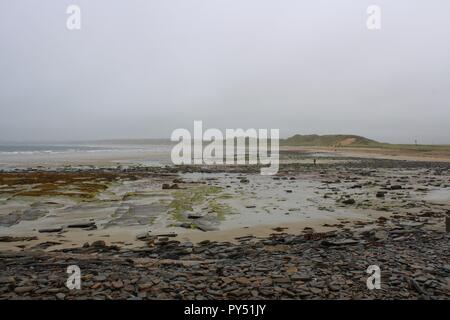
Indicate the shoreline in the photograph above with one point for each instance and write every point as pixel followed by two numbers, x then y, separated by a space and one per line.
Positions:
pixel 309 232
pixel 325 265
pixel 376 153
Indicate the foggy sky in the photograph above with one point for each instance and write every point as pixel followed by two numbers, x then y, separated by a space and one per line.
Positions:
pixel 142 68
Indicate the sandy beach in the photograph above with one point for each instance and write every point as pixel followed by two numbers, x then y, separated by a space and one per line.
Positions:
pixel 118 205
pixel 123 198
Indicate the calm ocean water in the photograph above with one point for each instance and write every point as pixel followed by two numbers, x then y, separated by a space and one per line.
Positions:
pixel 31 154
pixel 30 149
pixel 50 148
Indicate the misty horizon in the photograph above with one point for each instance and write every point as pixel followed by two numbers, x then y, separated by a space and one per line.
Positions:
pixel 141 69
pixel 167 140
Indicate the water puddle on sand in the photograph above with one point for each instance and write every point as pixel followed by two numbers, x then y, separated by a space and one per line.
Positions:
pixel 265 200
pixel 438 196
pixel 203 203
pixel 205 206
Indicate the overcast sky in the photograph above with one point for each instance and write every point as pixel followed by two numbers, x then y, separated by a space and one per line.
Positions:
pixel 142 68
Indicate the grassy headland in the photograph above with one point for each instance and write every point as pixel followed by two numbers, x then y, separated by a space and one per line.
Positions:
pixel 354 141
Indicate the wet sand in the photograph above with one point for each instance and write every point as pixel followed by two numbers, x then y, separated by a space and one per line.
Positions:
pixel 221 205
pixel 375 153
pixel 195 232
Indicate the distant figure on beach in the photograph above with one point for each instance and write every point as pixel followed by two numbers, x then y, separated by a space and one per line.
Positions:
pixel 314 161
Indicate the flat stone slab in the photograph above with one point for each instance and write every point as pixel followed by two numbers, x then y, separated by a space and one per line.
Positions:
pixel 51 230
pixel 82 225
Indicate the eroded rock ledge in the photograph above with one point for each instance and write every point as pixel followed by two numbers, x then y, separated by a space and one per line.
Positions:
pixel 414 263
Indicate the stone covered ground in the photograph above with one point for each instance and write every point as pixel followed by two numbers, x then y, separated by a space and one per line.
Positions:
pixel 414 263
pixel 410 246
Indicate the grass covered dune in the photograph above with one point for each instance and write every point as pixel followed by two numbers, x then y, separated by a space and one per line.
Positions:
pixel 353 141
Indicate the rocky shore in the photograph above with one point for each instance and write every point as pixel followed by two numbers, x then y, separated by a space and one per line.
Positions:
pixel 414 263
pixel 378 212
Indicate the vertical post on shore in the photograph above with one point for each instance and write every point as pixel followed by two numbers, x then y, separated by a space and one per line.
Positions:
pixel 447 223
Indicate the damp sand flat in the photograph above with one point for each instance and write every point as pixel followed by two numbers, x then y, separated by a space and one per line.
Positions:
pixel 131 207
pixel 216 206
pixel 439 196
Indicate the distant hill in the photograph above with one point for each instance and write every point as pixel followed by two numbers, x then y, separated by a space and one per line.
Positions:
pixel 330 140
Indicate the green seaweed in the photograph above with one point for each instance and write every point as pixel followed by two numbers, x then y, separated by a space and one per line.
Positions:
pixel 186 200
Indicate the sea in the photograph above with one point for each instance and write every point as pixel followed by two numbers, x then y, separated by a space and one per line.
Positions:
pixel 145 152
